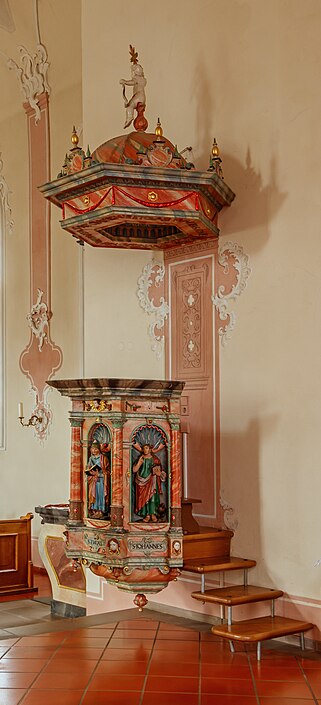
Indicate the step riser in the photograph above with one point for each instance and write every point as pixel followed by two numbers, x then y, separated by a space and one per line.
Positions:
pixel 213 546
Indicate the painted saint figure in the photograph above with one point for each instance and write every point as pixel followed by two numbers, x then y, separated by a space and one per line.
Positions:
pixel 98 473
pixel 149 476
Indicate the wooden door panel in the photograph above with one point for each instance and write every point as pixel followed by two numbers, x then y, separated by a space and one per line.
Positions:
pixel 16 574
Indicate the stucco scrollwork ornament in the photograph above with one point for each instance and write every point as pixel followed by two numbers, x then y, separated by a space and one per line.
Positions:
pixel 38 320
pixel 229 521
pixel 31 72
pixel 4 196
pixel 44 413
pixel 230 255
pixel 153 275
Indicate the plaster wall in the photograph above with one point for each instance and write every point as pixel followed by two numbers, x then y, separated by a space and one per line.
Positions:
pixel 32 473
pixel 247 72
pixel 116 340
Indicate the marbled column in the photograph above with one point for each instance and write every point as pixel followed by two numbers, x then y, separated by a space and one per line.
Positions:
pixel 76 504
pixel 116 509
pixel 175 455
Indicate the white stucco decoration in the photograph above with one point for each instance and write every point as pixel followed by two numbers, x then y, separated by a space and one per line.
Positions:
pixel 230 522
pixel 32 75
pixel 4 195
pixel 153 273
pixel 38 320
pixel 222 299
pixel 42 411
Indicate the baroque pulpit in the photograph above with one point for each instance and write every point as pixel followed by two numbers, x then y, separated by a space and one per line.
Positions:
pixel 134 191
pixel 125 496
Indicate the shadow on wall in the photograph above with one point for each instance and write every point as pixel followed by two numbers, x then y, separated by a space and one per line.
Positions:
pixel 202 88
pixel 241 485
pixel 255 205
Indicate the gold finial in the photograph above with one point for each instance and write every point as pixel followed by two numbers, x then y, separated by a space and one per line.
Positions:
pixel 215 149
pixel 74 137
pixel 158 129
pixel 215 160
pixel 133 55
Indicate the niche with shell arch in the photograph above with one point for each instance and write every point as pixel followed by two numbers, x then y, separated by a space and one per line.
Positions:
pixel 98 472
pixel 149 475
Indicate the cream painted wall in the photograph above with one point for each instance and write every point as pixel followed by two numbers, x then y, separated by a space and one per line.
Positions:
pixel 246 71
pixel 117 343
pixel 271 370
pixel 31 473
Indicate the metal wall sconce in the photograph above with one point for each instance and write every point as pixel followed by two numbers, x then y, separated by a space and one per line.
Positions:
pixel 34 419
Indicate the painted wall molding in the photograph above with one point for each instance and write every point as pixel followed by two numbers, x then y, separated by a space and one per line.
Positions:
pixel 153 276
pixel 31 72
pixel 4 195
pixel 230 255
pixel 41 358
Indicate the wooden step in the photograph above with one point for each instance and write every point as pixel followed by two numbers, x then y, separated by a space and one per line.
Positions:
pixel 207 544
pixel 237 595
pixel 261 628
pixel 217 564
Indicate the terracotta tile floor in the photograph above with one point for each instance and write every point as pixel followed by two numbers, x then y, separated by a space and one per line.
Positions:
pixel 152 659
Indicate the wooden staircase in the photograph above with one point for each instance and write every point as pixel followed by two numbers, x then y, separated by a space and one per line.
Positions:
pixel 209 552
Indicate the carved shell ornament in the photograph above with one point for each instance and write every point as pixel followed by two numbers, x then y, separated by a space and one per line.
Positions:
pixel 230 254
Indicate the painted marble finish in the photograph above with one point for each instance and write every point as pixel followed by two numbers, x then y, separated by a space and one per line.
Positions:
pixel 176 468
pixel 117 463
pixel 96 387
pixel 75 475
pixel 131 532
pixel 123 150
pixel 141 194
pixel 53 513
pixel 66 576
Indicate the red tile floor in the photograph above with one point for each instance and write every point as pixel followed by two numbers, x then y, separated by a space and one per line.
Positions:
pixel 145 660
